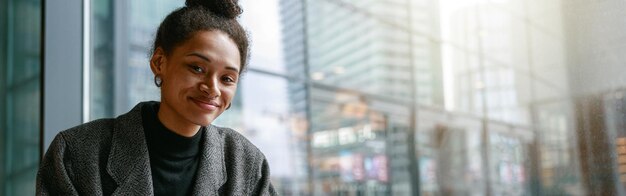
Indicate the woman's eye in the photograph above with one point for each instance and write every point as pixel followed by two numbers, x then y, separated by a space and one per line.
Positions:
pixel 228 79
pixel 196 69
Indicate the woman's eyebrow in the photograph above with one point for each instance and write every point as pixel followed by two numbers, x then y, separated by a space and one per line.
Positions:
pixel 232 68
pixel 196 54
pixel 199 56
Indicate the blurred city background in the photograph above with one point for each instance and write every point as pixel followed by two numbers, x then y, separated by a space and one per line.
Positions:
pixel 354 97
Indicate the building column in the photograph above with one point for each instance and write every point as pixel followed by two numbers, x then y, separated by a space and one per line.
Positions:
pixel 62 68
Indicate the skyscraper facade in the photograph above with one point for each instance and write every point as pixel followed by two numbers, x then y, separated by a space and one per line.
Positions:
pixel 507 121
pixel 363 62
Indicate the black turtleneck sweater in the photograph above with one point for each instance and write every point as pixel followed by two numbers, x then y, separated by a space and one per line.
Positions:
pixel 173 158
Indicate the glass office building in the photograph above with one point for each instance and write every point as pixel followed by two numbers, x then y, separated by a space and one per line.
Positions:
pixel 353 97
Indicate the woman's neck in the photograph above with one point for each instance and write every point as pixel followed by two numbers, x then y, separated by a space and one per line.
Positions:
pixel 175 122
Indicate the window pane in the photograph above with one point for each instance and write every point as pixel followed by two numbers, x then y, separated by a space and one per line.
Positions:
pixel 442 97
pixel 122 33
pixel 20 71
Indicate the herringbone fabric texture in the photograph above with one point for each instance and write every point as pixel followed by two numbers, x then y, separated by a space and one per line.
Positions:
pixel 110 157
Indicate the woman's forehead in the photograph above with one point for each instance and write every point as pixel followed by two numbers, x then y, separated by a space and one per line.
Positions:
pixel 211 46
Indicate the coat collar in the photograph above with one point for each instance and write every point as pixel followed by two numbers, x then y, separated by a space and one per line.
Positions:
pixel 129 161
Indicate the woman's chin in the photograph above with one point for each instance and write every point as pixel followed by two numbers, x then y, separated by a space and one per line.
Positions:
pixel 205 121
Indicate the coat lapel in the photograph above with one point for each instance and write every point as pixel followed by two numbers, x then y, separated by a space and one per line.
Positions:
pixel 211 171
pixel 129 162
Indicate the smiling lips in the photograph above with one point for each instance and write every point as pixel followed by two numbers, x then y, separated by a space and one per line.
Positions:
pixel 207 105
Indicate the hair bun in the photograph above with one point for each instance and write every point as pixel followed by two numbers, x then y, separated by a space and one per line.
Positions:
pixel 225 8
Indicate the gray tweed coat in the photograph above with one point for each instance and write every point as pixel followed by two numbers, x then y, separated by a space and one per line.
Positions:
pixel 110 157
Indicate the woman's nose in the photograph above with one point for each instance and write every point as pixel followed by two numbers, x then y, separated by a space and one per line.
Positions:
pixel 210 87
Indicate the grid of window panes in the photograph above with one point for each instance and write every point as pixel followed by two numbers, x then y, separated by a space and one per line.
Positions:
pixel 437 97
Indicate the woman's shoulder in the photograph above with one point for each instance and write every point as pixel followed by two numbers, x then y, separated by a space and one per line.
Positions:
pixel 88 135
pixel 89 129
pixel 98 133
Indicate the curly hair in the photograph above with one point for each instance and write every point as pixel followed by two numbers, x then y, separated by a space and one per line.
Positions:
pixel 202 15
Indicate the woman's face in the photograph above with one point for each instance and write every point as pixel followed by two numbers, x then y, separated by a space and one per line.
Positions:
pixel 199 78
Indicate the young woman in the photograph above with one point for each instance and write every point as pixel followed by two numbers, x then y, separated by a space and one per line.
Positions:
pixel 169 147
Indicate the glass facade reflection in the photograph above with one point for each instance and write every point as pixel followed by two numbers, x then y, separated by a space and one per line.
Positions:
pixel 502 66
pixel 408 97
pixel 20 95
pixel 122 34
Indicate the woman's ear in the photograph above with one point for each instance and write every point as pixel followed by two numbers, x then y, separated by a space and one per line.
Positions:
pixel 157 61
